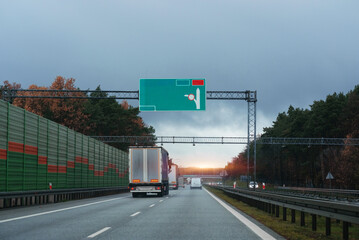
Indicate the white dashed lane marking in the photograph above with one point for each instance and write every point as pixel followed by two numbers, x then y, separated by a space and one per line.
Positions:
pixel 135 214
pixel 99 232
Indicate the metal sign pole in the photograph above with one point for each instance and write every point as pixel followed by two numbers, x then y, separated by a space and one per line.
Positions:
pixel 248 144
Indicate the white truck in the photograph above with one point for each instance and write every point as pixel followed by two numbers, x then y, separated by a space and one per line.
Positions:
pixel 148 171
pixel 173 177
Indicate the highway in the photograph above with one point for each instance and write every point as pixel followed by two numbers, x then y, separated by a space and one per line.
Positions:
pixel 183 214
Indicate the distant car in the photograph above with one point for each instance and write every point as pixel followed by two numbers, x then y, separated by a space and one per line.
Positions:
pixel 196 183
pixel 253 184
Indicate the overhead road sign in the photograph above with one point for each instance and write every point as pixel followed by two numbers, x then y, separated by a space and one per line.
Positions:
pixel 172 94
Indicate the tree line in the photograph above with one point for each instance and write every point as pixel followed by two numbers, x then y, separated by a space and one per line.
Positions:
pixel 308 166
pixel 93 117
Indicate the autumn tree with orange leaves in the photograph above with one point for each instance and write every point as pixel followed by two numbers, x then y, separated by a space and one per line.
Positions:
pixel 68 112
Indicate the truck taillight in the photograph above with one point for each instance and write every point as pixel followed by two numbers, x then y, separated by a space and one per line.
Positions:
pixel 133 188
pixel 175 185
pixel 158 188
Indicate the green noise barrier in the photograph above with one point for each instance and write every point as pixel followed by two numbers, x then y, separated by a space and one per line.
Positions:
pixel 38 154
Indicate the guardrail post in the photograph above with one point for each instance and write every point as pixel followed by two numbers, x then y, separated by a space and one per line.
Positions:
pixel 277 211
pixel 314 222
pixel 302 219
pixel 284 214
pixel 327 226
pixel 345 230
pixel 293 216
pixel 273 208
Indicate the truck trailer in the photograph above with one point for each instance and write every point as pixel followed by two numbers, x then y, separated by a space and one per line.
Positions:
pixel 173 177
pixel 148 171
pixel 181 182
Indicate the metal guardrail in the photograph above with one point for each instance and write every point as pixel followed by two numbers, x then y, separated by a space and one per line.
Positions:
pixel 333 193
pixel 335 209
pixel 57 191
pixel 21 198
pixel 270 202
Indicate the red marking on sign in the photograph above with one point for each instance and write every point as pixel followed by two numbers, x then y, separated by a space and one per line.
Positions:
pixel 198 82
pixel 191 97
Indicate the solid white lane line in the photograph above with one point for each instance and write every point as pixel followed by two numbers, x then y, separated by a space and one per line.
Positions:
pixel 135 214
pixel 59 210
pixel 152 205
pixel 99 232
pixel 256 229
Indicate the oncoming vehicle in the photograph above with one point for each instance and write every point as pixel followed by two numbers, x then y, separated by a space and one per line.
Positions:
pixel 252 184
pixel 196 183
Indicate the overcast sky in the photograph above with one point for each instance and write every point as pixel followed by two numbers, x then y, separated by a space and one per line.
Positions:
pixel 291 52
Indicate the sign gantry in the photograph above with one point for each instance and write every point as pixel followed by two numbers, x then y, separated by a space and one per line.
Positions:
pixel 192 97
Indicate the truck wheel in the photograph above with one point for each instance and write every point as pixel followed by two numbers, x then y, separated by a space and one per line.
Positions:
pixel 160 194
pixel 134 195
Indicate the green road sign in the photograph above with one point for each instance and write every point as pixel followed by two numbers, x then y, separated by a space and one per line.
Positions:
pixel 172 94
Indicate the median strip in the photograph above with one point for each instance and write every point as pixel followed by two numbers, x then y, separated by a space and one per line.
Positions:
pixel 99 232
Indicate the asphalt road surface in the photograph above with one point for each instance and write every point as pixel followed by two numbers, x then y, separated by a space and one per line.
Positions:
pixel 183 214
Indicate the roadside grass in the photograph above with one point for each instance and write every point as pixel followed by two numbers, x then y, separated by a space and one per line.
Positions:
pixel 287 229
